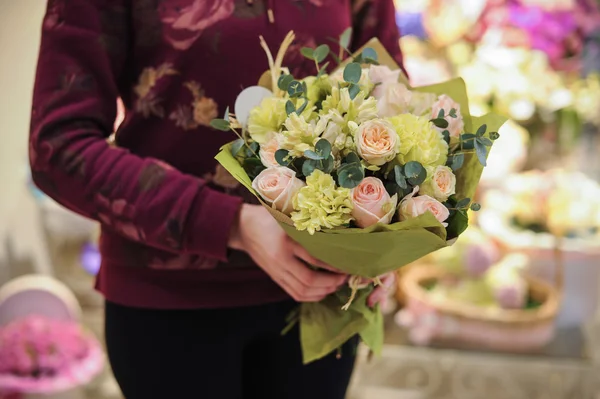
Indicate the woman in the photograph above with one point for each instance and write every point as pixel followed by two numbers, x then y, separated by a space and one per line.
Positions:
pixel 197 283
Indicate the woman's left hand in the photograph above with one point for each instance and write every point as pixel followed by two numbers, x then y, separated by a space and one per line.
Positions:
pixel 380 293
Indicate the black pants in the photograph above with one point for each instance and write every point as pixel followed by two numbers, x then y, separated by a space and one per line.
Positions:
pixel 218 354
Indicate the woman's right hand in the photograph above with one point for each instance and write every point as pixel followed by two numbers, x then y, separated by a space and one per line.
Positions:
pixel 259 234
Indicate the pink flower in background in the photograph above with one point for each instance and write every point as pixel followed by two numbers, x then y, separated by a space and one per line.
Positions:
pixel 185 20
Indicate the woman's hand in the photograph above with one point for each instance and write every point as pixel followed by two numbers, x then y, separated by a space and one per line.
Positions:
pixel 380 293
pixel 259 234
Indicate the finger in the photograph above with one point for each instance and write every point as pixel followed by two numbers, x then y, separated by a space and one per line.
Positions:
pixel 301 293
pixel 312 278
pixel 388 280
pixel 301 252
pixel 376 296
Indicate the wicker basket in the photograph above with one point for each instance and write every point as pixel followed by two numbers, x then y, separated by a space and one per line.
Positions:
pixel 466 325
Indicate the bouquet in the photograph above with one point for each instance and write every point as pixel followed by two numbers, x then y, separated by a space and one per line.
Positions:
pixel 41 355
pixel 363 171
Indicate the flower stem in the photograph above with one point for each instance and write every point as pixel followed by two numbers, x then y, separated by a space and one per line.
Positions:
pixel 245 142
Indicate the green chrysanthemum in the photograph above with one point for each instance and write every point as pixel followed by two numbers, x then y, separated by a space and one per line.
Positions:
pixel 342 109
pixel 267 118
pixel 419 140
pixel 320 204
pixel 300 135
pixel 318 88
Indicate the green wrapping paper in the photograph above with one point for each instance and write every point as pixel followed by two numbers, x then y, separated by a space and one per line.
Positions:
pixel 370 252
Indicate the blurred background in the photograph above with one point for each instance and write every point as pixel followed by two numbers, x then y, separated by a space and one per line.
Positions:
pixel 509 312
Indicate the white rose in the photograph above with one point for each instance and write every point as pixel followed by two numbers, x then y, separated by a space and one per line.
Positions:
pixel 420 103
pixel 411 207
pixel 267 152
pixel 377 142
pixel 394 100
pixel 440 184
pixel 278 186
pixel 455 125
pixel 382 76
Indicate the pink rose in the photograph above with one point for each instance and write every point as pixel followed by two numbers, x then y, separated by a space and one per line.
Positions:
pixel 455 125
pixel 267 152
pixel 396 99
pixel 278 186
pixel 377 142
pixel 185 20
pixel 411 207
pixel 382 76
pixel 372 203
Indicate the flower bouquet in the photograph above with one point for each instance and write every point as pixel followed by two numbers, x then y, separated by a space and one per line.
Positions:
pixel 44 355
pixel 363 171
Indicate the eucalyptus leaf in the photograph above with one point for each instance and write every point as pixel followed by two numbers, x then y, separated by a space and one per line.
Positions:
pixel 253 146
pixel 352 157
pixel 481 152
pixel 323 148
pixel 253 166
pixel 452 113
pixel 308 53
pixel 284 81
pixel 226 116
pixel 481 131
pixel 369 55
pixel 494 135
pixel 281 156
pixel 475 207
pixel 353 90
pixel 463 203
pixel 302 107
pixel 308 167
pixel 352 73
pixel 295 89
pixel 321 52
pixel 485 141
pixel 441 114
pixel 345 38
pixel 415 173
pixel 220 124
pixel 467 136
pixel 401 181
pixel 323 69
pixel 313 155
pixel 236 146
pixel 350 176
pixel 440 122
pixel 328 164
pixel 457 161
pixel 457 224
pixel 446 135
pixel 289 107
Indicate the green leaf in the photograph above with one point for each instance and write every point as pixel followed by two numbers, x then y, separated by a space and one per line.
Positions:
pixel 399 177
pixel 369 55
pixel 345 38
pixel 485 141
pixel 284 81
pixel 253 146
pixel 441 114
pixel 328 164
pixel 281 156
pixel 352 73
pixel 313 155
pixel 295 89
pixel 467 136
pixel 289 107
pixel 323 148
pixel 302 107
pixel 481 131
pixel 457 224
pixel 415 173
pixel 352 158
pixel 467 141
pixel 236 146
pixel 308 53
pixel 220 124
pixel 335 57
pixel 446 135
pixel 350 176
pixel 440 122
pixel 323 69
pixel 226 116
pixel 309 166
pixel 457 161
pixel 481 152
pixel 494 135
pixel 253 166
pixel 321 52
pixel 353 90
pixel 475 207
pixel 463 203
pixel 452 113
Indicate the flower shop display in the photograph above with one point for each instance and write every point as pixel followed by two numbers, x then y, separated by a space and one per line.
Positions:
pixel 43 348
pixel 534 212
pixel 468 296
pixel 367 173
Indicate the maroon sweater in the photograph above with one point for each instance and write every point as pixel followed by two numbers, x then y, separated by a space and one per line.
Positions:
pixel 165 206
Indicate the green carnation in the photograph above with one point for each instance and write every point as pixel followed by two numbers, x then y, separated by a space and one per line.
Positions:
pixel 320 204
pixel 419 140
pixel 300 135
pixel 267 118
pixel 342 109
pixel 317 88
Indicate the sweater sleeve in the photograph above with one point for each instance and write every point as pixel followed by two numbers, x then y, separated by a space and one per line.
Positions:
pixel 82 63
pixel 377 18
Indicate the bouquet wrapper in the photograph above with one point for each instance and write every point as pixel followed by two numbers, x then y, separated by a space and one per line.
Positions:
pixel 369 252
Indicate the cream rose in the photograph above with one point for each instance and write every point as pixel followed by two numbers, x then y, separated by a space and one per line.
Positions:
pixel 455 125
pixel 382 77
pixel 267 152
pixel 278 186
pixel 377 142
pixel 440 183
pixel 372 203
pixel 395 100
pixel 411 207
